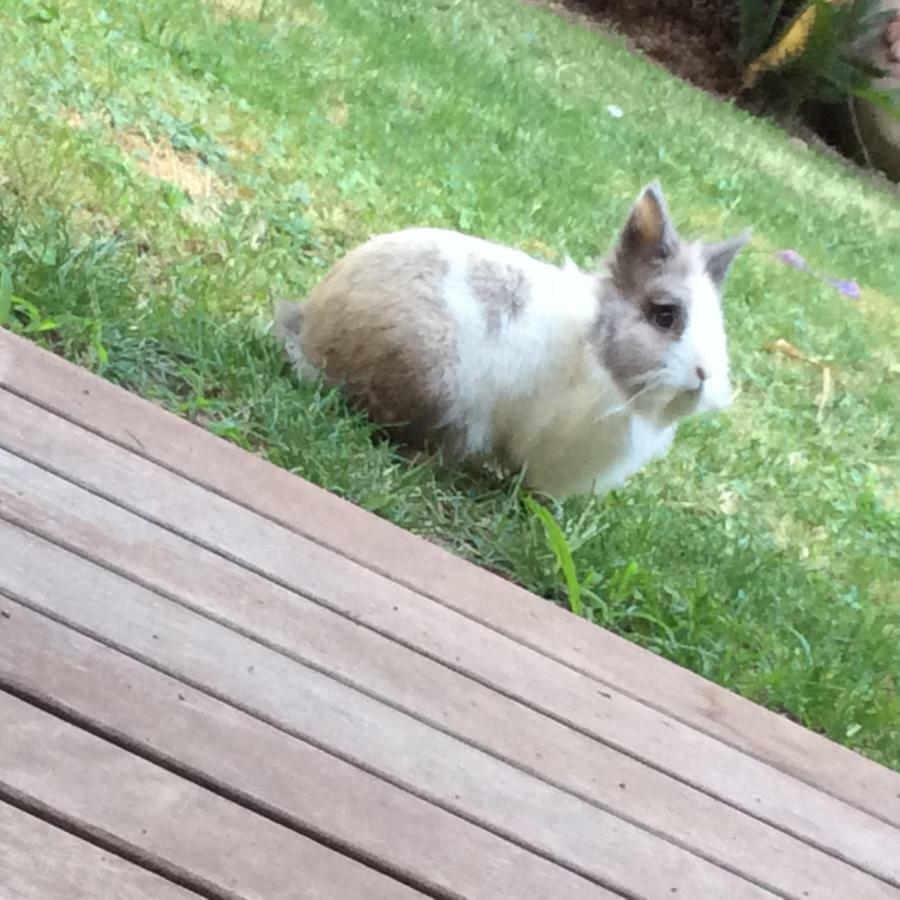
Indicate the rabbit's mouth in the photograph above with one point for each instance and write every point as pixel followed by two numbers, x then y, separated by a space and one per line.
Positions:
pixel 713 395
pixel 666 404
pixel 683 404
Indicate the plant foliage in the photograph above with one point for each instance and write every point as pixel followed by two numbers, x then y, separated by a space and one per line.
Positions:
pixel 817 56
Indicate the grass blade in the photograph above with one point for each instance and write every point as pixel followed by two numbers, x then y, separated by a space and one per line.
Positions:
pixel 556 541
pixel 5 293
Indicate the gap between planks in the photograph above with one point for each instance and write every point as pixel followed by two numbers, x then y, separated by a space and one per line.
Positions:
pixel 96 596
pixel 193 734
pixel 43 861
pixel 729 765
pixel 403 751
pixel 165 823
pixel 143 428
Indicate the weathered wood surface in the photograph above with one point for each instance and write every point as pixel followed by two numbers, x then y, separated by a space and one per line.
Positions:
pixel 147 813
pixel 292 779
pixel 39 861
pixel 175 607
pixel 150 432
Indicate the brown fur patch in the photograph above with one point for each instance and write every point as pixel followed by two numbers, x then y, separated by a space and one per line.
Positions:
pixel 502 290
pixel 377 326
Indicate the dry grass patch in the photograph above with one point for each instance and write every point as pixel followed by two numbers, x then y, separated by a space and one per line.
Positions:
pixel 239 9
pixel 294 12
pixel 160 160
pixel 338 112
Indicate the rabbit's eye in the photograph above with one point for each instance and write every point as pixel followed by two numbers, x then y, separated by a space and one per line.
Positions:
pixel 664 316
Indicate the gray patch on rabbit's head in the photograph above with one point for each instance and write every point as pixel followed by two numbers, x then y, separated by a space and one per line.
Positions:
pixel 646 242
pixel 649 248
pixel 501 289
pixel 659 330
pixel 648 268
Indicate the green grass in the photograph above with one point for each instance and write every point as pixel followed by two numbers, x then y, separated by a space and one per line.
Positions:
pixel 762 553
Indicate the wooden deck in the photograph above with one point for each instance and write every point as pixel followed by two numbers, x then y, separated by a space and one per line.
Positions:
pixel 218 680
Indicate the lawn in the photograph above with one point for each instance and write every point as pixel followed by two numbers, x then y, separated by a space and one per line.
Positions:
pixel 169 167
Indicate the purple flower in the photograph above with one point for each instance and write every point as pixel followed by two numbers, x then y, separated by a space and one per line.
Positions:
pixel 793 258
pixel 847 288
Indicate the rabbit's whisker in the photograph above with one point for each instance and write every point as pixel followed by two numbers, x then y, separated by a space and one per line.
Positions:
pixel 652 383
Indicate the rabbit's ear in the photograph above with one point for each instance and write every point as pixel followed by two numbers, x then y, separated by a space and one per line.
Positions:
pixel 719 257
pixel 649 234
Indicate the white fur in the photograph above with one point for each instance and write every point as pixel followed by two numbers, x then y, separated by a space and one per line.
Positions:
pixel 536 394
pixel 704 343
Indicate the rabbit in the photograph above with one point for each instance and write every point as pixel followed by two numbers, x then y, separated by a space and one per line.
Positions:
pixel 487 354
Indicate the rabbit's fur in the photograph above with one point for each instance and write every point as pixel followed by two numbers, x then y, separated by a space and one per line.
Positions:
pixel 482 351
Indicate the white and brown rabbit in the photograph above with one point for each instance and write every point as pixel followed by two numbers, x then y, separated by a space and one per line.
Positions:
pixel 484 352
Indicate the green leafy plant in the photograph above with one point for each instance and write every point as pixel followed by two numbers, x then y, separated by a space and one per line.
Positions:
pixel 758 23
pixel 581 593
pixel 816 56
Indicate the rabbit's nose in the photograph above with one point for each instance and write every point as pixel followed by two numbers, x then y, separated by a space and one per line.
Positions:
pixel 701 373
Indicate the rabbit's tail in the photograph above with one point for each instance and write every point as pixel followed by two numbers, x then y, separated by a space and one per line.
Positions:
pixel 288 318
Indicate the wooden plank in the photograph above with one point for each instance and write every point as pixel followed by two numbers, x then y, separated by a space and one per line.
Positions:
pixel 227 850
pixel 370 735
pixel 546 748
pixel 301 784
pixel 307 510
pixel 41 862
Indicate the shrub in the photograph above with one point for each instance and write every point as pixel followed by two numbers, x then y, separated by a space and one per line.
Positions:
pixel 818 56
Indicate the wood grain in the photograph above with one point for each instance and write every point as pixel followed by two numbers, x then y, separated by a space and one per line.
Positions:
pixel 149 431
pixel 547 748
pixel 370 735
pixel 41 862
pixel 101 789
pixel 270 770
